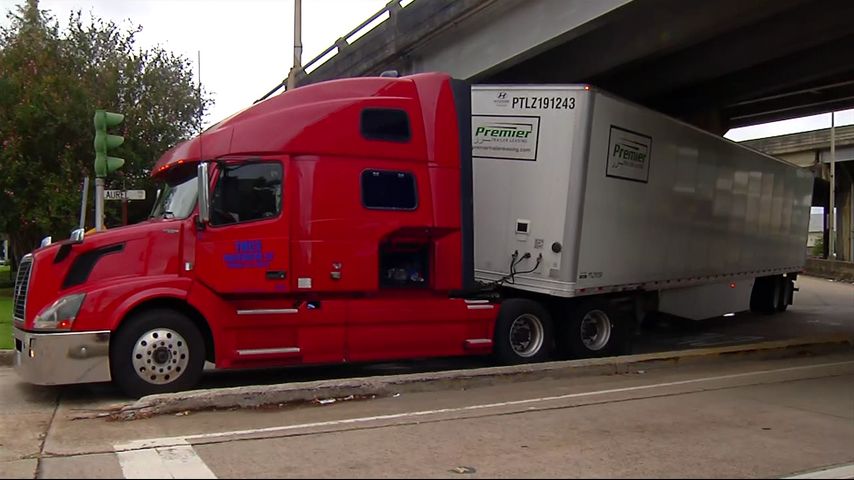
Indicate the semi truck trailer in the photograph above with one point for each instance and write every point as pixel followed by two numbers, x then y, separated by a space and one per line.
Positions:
pixel 374 219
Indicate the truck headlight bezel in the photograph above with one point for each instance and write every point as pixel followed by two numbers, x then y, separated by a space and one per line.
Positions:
pixel 60 315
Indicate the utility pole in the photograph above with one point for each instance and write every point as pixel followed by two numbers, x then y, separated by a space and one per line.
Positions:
pixel 297 65
pixel 831 241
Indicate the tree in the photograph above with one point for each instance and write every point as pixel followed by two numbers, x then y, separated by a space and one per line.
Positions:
pixel 51 82
pixel 818 247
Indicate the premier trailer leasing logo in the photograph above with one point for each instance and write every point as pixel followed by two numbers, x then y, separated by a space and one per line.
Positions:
pixel 505 137
pixel 628 155
pixel 506 130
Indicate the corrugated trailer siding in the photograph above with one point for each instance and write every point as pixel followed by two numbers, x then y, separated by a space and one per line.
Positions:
pixel 707 207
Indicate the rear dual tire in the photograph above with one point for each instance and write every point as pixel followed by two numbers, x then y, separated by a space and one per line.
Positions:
pixel 596 328
pixel 771 294
pixel 524 333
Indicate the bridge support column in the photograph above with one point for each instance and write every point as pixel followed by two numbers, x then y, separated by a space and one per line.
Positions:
pixel 845 223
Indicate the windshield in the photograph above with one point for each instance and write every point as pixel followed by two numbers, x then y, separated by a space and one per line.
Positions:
pixel 177 200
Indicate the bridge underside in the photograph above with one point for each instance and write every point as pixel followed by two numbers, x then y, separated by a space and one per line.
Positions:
pixel 717 64
pixel 749 62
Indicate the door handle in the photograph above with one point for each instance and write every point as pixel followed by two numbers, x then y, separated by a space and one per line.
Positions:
pixel 276 275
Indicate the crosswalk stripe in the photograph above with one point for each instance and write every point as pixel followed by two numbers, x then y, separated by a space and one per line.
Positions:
pixel 845 471
pixel 180 461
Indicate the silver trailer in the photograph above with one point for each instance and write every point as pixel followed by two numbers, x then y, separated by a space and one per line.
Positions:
pixel 578 193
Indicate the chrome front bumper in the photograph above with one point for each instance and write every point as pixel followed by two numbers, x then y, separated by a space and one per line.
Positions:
pixel 62 357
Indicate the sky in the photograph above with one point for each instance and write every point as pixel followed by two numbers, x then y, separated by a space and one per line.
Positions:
pixel 246 46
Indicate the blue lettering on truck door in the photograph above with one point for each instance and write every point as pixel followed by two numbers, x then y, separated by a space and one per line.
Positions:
pixel 248 254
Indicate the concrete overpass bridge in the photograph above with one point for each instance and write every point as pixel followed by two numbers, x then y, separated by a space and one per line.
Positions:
pixel 715 63
pixel 811 150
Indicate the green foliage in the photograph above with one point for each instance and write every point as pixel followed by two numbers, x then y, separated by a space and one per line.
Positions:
pixel 818 247
pixel 6 277
pixel 5 318
pixel 51 83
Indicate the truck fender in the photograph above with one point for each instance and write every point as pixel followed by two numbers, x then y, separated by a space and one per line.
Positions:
pixel 138 298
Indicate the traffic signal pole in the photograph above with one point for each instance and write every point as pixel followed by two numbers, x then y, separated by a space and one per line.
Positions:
pixel 99 204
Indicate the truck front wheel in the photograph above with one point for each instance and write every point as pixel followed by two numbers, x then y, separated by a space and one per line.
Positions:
pixel 523 332
pixel 157 351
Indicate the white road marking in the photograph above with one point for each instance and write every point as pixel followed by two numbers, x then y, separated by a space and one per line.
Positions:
pixel 177 461
pixel 173 441
pixel 845 471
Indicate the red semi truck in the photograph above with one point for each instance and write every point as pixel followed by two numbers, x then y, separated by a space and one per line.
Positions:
pixel 335 223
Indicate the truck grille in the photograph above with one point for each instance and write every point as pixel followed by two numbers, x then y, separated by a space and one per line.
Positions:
pixel 22 283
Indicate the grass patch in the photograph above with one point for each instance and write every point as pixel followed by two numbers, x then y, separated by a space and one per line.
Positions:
pixel 5 279
pixel 5 318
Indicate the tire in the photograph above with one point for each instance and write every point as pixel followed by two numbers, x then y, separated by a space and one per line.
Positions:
pixel 595 328
pixel 768 295
pixel 787 287
pixel 139 366
pixel 524 333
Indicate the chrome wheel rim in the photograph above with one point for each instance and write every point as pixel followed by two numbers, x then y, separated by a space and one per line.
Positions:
pixel 526 335
pixel 595 330
pixel 160 356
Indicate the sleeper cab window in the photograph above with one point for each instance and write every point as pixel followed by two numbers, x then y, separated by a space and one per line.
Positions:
pixel 386 124
pixel 389 190
pixel 243 193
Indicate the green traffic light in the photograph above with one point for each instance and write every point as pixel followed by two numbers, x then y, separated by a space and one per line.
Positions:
pixel 105 164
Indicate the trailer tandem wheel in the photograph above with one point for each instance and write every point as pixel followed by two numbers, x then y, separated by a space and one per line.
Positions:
pixel 771 294
pixel 597 328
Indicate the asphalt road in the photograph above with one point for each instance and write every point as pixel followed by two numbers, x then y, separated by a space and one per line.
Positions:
pixel 39 422
pixel 739 419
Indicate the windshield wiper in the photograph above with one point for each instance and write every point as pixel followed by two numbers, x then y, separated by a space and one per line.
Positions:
pixel 168 214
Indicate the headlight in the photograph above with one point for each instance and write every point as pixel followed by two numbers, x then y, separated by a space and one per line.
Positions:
pixel 60 315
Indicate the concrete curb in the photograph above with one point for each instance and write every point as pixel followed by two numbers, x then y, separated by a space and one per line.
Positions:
pixel 260 395
pixel 7 358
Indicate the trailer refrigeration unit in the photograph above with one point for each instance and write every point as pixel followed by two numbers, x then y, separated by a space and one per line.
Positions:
pixel 386 218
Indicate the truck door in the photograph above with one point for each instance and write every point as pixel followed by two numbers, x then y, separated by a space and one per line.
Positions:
pixel 244 249
pixel 243 255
